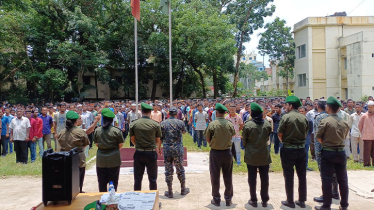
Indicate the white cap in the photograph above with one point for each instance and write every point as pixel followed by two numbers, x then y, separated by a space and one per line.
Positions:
pixel 370 103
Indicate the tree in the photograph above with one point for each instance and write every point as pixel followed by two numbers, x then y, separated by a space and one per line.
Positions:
pixel 278 43
pixel 250 71
pixel 204 40
pixel 248 16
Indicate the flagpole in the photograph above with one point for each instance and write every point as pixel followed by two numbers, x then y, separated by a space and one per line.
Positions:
pixel 170 61
pixel 136 64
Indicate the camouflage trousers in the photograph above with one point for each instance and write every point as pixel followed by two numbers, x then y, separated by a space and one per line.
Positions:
pixel 169 170
pixel 318 149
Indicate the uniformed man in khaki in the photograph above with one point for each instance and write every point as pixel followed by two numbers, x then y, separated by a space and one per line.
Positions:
pixel 256 134
pixel 219 134
pixel 292 132
pixel 331 133
pixel 109 141
pixel 145 134
pixel 72 136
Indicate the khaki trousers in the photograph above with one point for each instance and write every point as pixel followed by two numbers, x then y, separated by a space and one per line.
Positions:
pixel 357 141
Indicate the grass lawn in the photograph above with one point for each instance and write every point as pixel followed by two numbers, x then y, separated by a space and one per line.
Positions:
pixel 9 167
pixel 276 165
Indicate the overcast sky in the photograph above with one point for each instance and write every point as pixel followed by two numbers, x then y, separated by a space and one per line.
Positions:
pixel 294 11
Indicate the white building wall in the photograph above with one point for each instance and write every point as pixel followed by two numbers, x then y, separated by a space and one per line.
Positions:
pixel 303 65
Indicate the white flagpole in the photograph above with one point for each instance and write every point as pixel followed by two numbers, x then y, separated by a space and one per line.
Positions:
pixel 136 65
pixel 170 61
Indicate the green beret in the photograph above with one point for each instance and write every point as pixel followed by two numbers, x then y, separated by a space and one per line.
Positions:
pixel 146 106
pixel 333 101
pixel 106 112
pixel 293 99
pixel 71 115
pixel 256 108
pixel 221 108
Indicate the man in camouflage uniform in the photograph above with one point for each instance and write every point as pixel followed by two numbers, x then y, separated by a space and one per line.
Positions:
pixel 172 130
pixel 318 148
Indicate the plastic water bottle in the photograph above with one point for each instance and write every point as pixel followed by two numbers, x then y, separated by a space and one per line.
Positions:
pixel 112 193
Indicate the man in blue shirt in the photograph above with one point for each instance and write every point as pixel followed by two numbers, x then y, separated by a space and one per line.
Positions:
pixel 7 140
pixel 4 133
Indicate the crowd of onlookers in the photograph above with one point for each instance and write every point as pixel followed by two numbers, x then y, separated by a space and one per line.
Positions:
pixel 24 128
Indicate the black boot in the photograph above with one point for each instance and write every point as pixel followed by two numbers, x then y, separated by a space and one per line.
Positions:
pixel 169 193
pixel 335 194
pixel 184 190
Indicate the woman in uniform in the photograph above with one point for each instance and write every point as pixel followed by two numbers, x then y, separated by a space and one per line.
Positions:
pixel 71 137
pixel 109 141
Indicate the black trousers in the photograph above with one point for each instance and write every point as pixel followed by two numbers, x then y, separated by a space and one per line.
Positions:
pixel 252 181
pixel 291 158
pixel 233 152
pixel 90 137
pixel 82 172
pixel 143 159
pixel 20 147
pixel 334 162
pixel 106 175
pixel 3 145
pixel 221 159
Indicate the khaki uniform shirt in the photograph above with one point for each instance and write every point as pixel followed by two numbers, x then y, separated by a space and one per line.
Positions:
pixel 108 154
pixel 294 127
pixel 220 133
pixel 333 131
pixel 255 138
pixel 145 131
pixel 75 137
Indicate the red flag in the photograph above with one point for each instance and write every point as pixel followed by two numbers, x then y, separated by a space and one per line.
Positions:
pixel 135 4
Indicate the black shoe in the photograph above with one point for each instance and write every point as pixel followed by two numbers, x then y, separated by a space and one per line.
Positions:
pixel 228 202
pixel 335 196
pixel 343 208
pixel 318 199
pixel 264 204
pixel 300 203
pixel 169 194
pixel 286 203
pixel 309 169
pixel 216 203
pixel 252 203
pixel 321 208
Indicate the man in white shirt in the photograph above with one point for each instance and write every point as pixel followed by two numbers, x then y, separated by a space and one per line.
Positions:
pixel 356 137
pixel 347 143
pixel 201 119
pixel 19 134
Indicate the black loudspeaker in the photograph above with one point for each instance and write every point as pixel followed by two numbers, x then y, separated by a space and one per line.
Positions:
pixel 60 172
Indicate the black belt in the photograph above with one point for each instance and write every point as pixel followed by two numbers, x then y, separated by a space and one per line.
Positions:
pixel 146 150
pixel 334 150
pixel 294 146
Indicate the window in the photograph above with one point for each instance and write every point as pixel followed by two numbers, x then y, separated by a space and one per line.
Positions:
pixel 345 63
pixel 301 80
pixel 86 80
pixel 243 58
pixel 372 55
pixel 250 58
pixel 301 50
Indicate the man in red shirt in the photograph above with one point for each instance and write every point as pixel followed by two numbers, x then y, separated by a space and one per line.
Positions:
pixel 32 137
pixel 39 132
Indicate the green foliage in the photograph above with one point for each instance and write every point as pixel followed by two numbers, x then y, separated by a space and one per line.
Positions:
pixel 278 43
pixel 248 16
pixel 364 98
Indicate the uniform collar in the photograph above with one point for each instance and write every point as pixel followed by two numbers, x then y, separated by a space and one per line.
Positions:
pixel 333 114
pixel 171 117
pixel 220 117
pixel 146 117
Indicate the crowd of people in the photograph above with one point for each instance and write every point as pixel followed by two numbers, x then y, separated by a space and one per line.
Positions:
pixel 281 121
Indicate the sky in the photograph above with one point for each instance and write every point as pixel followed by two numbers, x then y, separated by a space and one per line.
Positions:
pixel 294 11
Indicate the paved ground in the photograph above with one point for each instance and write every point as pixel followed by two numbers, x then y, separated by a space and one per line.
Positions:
pixel 23 193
